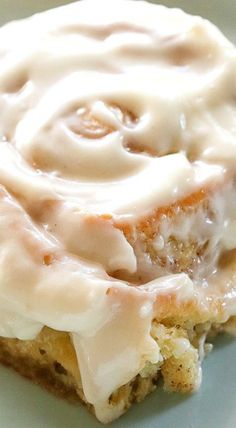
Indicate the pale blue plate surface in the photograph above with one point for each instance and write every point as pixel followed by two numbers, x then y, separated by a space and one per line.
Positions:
pixel 24 405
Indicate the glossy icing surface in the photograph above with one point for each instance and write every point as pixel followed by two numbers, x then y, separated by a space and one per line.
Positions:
pixel 104 117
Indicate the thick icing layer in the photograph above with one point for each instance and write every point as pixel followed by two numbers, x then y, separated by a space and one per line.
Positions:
pixel 108 111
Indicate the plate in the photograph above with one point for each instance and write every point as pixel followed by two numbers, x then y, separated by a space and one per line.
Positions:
pixel 24 405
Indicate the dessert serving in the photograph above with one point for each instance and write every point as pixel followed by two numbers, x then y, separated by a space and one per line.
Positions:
pixel 117 199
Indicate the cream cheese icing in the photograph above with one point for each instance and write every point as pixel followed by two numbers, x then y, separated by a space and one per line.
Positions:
pixel 108 110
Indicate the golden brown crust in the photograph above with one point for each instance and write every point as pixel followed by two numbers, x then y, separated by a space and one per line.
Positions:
pixel 178 254
pixel 50 361
pixel 40 374
pixel 35 361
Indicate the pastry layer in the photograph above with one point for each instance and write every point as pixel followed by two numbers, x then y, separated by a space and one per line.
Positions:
pixel 117 199
pixel 50 361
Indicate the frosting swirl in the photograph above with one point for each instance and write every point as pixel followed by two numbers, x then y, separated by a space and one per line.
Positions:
pixel 104 117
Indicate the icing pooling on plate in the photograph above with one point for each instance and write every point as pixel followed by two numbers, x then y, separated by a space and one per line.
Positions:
pixel 104 117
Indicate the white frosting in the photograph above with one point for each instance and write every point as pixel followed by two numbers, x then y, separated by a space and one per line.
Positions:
pixel 108 111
